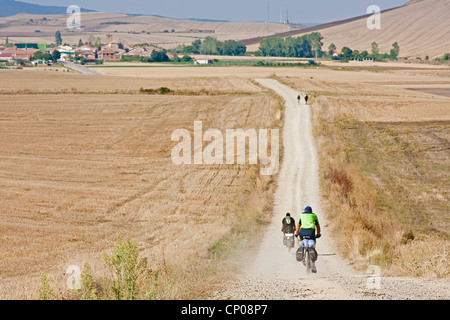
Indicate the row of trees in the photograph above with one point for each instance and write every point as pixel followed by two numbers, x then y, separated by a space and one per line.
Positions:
pixel 212 46
pixel 306 46
pixel 41 55
pixel 349 54
pixel 310 45
pixel 445 57
pixel 156 56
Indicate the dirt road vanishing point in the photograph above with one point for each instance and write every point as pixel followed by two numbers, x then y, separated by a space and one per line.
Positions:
pixel 272 273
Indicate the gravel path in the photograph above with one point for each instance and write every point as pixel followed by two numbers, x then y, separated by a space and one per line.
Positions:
pixel 270 272
pixel 80 68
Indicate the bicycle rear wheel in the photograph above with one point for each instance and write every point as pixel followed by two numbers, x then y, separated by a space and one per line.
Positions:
pixel 308 261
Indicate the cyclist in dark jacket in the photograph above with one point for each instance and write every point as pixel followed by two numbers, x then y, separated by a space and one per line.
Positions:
pixel 287 225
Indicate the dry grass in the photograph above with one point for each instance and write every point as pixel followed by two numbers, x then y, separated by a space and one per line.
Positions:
pixel 77 170
pixel 86 158
pixel 384 183
pixel 409 162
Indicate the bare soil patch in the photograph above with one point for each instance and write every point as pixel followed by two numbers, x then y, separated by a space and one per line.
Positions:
pixel 436 91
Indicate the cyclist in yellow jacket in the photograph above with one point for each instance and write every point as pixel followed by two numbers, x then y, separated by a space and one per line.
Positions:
pixel 307 225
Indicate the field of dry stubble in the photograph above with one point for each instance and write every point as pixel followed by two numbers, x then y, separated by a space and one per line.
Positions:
pixel 84 159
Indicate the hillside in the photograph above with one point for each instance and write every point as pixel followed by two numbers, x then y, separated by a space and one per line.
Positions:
pixel 11 7
pixel 160 31
pixel 421 29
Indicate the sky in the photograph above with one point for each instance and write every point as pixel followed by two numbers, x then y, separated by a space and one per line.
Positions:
pixel 299 11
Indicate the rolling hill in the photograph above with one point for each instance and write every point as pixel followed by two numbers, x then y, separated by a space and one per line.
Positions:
pixel 12 7
pixel 131 29
pixel 420 27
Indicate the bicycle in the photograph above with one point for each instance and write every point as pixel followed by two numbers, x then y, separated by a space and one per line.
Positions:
pixel 306 253
pixel 289 241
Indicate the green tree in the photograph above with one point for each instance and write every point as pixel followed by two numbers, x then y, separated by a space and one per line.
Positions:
pixel 182 48
pixel 196 44
pixel 81 59
pixel 315 40
pixel 41 55
pixel 347 53
pixel 211 46
pixel 56 55
pixel 186 58
pixel 159 56
pixel 375 49
pixel 272 47
pixel 305 46
pixel 232 48
pixel 290 48
pixel 299 47
pixel 364 54
pixel 58 38
pixel 331 49
pixel 395 51
pixel 306 49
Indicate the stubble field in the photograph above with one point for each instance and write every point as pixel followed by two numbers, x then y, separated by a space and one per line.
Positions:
pixel 84 159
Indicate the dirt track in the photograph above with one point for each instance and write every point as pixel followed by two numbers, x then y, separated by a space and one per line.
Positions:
pixel 271 272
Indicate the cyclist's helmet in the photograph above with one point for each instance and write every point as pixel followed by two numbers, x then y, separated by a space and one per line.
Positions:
pixel 288 214
pixel 308 209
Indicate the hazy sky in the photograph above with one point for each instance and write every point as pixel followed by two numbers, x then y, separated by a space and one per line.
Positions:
pixel 235 10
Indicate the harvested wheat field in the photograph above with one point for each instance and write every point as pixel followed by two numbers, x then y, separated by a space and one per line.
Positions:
pixel 85 159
